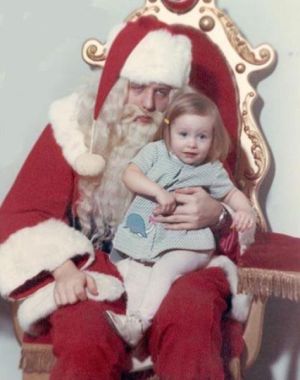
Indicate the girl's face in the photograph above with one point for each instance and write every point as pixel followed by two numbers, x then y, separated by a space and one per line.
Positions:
pixel 191 137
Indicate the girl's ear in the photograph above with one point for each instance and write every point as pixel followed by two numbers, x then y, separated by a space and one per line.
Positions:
pixel 166 134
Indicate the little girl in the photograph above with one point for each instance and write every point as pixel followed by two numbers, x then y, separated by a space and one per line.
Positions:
pixel 194 144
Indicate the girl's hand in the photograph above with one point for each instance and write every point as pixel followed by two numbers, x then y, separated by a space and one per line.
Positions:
pixel 167 203
pixel 195 209
pixel 71 284
pixel 243 220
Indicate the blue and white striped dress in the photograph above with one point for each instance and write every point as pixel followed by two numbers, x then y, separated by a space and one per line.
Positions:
pixel 137 236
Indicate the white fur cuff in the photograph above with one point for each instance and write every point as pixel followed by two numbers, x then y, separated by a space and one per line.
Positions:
pixel 160 57
pixel 64 116
pixel 42 247
pixel 41 304
pixel 240 302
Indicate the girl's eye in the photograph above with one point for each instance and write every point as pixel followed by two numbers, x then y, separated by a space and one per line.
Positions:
pixel 183 134
pixel 202 137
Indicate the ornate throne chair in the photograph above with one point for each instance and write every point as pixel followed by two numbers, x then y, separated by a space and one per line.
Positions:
pixel 224 62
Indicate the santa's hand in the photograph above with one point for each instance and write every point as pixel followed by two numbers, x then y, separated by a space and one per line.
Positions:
pixel 71 284
pixel 196 209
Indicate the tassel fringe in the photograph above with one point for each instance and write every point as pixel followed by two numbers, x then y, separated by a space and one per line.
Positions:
pixel 37 358
pixel 264 283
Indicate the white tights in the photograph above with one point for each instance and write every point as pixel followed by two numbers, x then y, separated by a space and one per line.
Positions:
pixel 164 272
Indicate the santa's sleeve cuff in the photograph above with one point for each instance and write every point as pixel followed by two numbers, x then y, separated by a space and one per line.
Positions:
pixel 43 247
pixel 240 303
pixel 41 303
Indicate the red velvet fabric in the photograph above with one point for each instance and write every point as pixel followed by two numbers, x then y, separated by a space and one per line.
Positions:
pixel 84 343
pixel 36 194
pixel 186 339
pixel 189 321
pixel 273 251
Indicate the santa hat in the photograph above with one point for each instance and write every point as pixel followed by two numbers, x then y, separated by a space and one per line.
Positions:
pixel 143 51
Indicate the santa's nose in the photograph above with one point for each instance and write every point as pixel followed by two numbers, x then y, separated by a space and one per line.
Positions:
pixel 148 100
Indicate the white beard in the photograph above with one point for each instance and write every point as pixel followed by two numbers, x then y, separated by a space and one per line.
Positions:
pixel 110 199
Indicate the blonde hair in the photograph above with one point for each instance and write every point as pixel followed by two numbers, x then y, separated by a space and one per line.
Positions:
pixel 195 103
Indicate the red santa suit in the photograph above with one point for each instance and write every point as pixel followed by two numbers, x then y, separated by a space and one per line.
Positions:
pixel 38 234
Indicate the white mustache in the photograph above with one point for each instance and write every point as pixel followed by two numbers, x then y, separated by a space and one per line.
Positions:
pixel 131 112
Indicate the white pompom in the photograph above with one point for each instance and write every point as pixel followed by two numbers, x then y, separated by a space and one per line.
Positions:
pixel 89 164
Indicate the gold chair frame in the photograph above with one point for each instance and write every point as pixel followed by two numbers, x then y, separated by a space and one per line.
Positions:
pixel 253 155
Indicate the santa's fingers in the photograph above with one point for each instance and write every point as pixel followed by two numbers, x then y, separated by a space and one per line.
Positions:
pixel 167 218
pixel 57 298
pixel 60 295
pixel 178 226
pixel 91 285
pixel 80 293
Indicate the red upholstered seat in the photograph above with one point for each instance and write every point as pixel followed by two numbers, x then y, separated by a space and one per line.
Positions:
pixel 273 251
pixel 271 266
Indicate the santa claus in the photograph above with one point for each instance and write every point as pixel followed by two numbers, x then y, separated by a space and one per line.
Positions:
pixel 67 200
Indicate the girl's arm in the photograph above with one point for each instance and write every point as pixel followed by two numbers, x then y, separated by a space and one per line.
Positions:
pixel 244 216
pixel 137 182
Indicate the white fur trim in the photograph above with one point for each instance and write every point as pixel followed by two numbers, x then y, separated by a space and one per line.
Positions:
pixel 36 307
pixel 240 302
pixel 44 246
pixel 240 307
pixel 140 364
pixel 160 57
pixel 41 304
pixel 109 287
pixel 89 164
pixel 63 116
